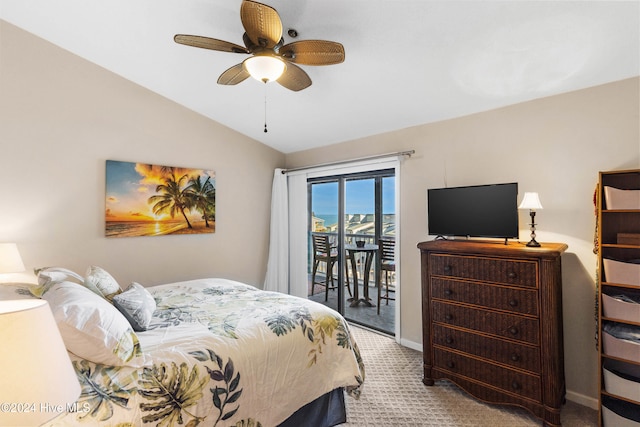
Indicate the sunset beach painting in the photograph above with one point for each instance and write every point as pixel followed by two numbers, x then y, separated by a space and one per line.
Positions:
pixel 153 200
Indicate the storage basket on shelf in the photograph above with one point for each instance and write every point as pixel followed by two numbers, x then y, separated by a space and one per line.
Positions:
pixel 621 199
pixel 621 341
pixel 618 413
pixel 623 305
pixel 625 273
pixel 622 379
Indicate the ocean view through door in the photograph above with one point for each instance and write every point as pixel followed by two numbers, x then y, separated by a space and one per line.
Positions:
pixel 351 218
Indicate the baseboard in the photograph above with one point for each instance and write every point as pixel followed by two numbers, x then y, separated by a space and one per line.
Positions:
pixel 411 344
pixel 583 400
pixel 578 398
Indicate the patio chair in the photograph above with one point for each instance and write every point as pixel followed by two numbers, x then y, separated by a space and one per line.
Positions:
pixel 323 251
pixel 387 249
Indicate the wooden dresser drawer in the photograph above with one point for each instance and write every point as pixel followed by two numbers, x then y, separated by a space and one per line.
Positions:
pixel 501 324
pixel 511 381
pixel 516 300
pixel 495 270
pixel 506 352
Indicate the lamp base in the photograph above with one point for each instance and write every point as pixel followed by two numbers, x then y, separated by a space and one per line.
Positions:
pixel 533 244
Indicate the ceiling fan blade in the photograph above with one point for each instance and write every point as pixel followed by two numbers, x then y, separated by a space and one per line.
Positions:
pixel 294 78
pixel 209 43
pixel 233 75
pixel 262 23
pixel 313 52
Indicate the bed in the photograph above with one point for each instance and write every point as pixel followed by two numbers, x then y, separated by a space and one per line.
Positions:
pixel 206 352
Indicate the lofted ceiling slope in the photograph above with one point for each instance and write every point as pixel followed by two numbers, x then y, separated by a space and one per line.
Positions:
pixel 408 62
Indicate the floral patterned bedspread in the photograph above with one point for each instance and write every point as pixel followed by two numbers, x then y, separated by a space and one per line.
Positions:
pixel 222 353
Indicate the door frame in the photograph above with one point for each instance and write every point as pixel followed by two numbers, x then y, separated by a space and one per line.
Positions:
pixel 298 226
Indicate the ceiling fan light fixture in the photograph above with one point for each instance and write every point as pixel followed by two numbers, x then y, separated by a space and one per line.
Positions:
pixel 272 59
pixel 264 68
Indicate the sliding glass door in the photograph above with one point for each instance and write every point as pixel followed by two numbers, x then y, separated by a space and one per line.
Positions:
pixel 352 213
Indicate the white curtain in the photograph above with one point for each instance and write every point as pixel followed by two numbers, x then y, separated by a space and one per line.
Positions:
pixel 277 278
pixel 298 235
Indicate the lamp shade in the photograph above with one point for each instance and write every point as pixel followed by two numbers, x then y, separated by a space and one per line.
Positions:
pixel 10 261
pixel 35 371
pixel 530 201
pixel 264 68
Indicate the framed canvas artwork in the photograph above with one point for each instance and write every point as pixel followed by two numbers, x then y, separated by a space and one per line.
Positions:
pixel 152 200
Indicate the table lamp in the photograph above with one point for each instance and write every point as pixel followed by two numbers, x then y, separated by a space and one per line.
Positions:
pixel 10 261
pixel 37 380
pixel 531 201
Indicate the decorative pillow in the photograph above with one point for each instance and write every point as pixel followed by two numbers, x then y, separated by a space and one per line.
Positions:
pixel 137 305
pixel 100 279
pixel 49 276
pixel 92 328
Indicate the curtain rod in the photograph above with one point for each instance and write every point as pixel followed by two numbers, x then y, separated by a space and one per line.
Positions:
pixel 340 162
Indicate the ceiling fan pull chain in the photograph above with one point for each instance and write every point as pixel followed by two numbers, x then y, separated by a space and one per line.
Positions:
pixel 265 107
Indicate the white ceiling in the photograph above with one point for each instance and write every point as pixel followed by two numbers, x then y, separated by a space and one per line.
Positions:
pixel 408 62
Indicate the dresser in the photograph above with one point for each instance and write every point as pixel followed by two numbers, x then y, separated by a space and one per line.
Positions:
pixel 492 321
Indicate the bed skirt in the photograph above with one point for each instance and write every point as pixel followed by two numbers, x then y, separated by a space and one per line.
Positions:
pixel 326 411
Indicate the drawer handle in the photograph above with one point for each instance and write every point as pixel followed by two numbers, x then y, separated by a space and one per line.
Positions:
pixel 512 275
pixel 515 357
pixel 448 292
pixel 447 268
pixel 513 330
pixel 516 385
pixel 451 364
pixel 448 340
pixel 448 316
pixel 513 303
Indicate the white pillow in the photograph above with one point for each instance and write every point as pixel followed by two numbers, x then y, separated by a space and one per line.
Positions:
pixel 57 274
pixel 49 276
pixel 137 305
pixel 104 282
pixel 92 328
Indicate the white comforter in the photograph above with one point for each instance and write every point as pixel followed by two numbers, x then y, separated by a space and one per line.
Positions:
pixel 222 353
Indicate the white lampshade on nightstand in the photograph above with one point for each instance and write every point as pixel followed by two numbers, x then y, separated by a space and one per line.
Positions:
pixel 531 201
pixel 10 260
pixel 36 374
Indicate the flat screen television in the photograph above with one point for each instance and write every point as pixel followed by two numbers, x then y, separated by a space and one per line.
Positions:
pixel 474 211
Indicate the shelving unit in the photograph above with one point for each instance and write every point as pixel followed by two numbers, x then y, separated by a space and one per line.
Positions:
pixel 619 394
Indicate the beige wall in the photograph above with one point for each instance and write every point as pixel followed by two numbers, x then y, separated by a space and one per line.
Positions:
pixel 61 117
pixel 554 146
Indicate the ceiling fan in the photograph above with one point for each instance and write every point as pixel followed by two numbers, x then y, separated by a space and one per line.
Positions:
pixel 270 59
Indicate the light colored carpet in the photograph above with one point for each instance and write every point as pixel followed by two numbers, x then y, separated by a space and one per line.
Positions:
pixel 394 395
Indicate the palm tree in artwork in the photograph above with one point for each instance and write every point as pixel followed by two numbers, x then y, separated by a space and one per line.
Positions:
pixel 203 196
pixel 172 198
